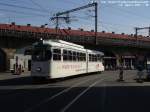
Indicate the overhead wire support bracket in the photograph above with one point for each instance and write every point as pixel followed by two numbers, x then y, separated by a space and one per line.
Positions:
pixel 58 16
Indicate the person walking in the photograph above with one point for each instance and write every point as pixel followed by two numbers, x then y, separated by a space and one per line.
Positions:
pixel 139 73
pixel 121 70
pixel 121 73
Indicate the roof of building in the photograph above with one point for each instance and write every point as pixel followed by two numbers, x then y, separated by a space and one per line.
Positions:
pixel 70 32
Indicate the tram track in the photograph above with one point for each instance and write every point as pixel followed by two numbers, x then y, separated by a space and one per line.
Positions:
pixel 65 108
pixel 39 94
pixel 60 94
pixel 17 88
pixel 74 90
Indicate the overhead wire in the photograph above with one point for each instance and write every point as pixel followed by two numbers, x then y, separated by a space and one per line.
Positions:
pixel 128 12
pixel 42 10
pixel 22 1
pixel 107 22
pixel 71 2
pixel 24 13
pixel 40 6
pixel 23 7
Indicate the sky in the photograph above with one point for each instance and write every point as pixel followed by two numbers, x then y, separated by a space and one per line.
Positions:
pixel 119 16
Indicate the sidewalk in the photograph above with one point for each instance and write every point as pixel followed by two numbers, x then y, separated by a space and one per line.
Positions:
pixel 6 75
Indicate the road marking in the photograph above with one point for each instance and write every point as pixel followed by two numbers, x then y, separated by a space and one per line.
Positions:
pixel 82 93
pixel 54 96
pixel 78 96
pixel 64 91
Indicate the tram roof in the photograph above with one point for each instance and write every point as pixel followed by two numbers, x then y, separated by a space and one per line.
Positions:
pixel 61 43
pixel 95 52
pixel 64 44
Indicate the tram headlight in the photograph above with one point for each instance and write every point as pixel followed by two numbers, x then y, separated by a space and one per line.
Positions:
pixel 38 69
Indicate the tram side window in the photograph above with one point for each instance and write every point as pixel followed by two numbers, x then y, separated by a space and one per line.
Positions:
pixel 74 56
pixel 83 57
pixel 93 57
pixel 96 58
pixel 99 58
pixel 90 57
pixel 65 55
pixel 56 54
pixel 78 56
pixel 70 55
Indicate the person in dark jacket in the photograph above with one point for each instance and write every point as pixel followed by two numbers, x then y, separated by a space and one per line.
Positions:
pixel 139 73
pixel 121 73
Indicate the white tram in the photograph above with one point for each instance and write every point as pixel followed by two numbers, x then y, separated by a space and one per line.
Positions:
pixel 57 59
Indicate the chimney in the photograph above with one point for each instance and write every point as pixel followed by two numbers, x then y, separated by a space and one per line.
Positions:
pixel 92 30
pixel 103 31
pixel 42 26
pixel 69 28
pixel 81 29
pixel 13 23
pixel 28 25
pixel 131 35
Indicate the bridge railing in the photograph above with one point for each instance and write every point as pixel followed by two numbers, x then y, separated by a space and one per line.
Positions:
pixel 75 38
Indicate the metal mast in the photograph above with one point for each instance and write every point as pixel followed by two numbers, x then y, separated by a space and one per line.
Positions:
pixel 59 16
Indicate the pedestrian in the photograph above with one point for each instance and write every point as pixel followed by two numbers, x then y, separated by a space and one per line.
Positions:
pixel 121 72
pixel 16 69
pixel 139 73
pixel 19 70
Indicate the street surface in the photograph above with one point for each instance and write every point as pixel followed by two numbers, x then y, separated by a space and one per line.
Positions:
pixel 90 93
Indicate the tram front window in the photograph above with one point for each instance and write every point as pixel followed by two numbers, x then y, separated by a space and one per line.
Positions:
pixel 41 54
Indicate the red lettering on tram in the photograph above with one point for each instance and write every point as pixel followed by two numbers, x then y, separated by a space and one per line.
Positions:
pixel 70 66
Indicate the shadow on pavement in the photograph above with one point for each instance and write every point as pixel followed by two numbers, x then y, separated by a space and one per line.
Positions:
pixel 17 81
pixel 29 81
pixel 97 99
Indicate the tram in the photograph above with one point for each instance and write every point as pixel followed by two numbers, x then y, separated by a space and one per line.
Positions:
pixel 58 59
